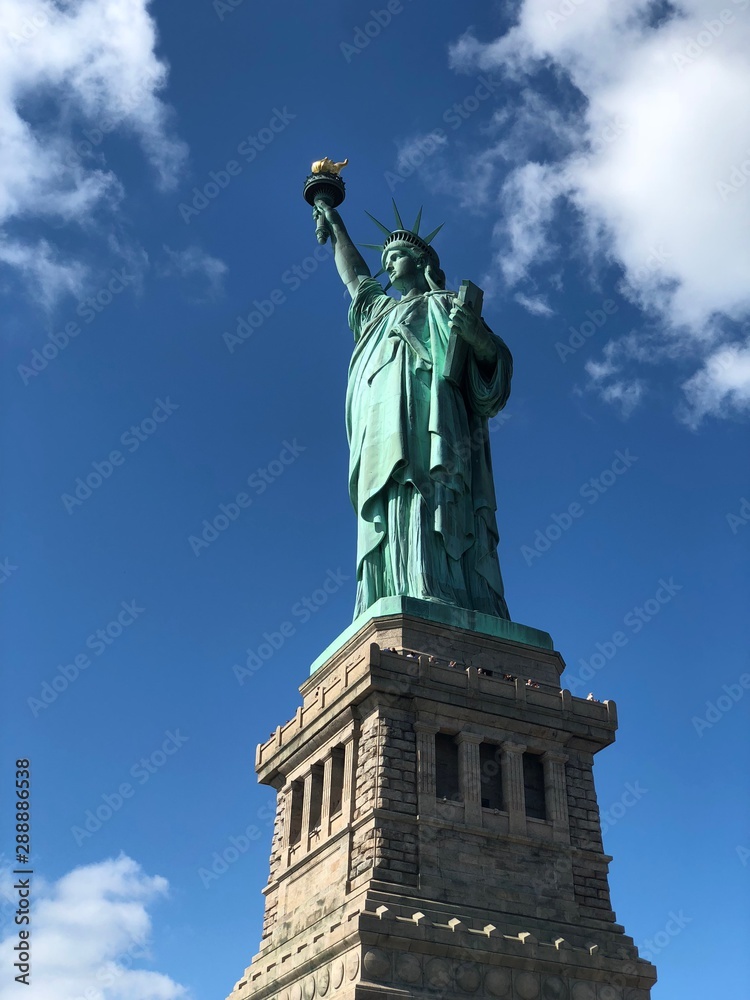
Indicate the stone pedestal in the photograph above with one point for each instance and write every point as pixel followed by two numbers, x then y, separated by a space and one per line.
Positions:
pixel 437 830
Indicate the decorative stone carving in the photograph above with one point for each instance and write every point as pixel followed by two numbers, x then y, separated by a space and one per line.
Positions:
pixel 408 968
pixel 607 992
pixel 467 977
pixel 497 982
pixel 308 988
pixel 324 980
pixel 584 991
pixel 554 988
pixel 352 964
pixel 377 964
pixel 438 973
pixel 526 985
pixel 337 973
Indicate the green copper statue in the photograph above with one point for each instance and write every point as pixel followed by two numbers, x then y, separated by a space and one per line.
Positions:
pixel 426 375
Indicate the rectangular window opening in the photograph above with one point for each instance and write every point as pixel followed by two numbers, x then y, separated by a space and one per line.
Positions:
pixel 446 768
pixel 491 776
pixel 337 780
pixel 316 797
pixel 533 786
pixel 295 812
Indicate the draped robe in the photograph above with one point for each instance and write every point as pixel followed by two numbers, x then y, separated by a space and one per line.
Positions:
pixel 420 470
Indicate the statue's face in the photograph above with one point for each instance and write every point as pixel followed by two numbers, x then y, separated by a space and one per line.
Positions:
pixel 401 268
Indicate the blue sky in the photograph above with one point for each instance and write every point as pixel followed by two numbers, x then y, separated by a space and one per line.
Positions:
pixel 590 168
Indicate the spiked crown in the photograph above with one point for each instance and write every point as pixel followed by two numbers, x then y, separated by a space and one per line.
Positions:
pixel 403 236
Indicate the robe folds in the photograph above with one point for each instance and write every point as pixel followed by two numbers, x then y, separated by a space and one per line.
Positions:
pixel 420 470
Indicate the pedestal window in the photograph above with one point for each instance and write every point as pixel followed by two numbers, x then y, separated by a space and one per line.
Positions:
pixel 533 786
pixel 490 776
pixel 337 780
pixel 447 785
pixel 295 812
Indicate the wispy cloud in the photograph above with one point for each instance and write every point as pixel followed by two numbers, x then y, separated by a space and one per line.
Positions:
pixel 535 304
pixel 196 263
pixel 95 68
pixel 43 268
pixel 624 394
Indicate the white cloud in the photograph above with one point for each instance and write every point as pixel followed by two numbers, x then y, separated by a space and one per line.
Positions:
pixel 129 250
pixel 70 73
pixel 624 395
pixel 599 370
pixel 412 152
pixel 43 269
pixel 536 304
pixel 605 379
pixel 721 387
pixel 656 159
pixel 525 233
pixel 194 262
pixel 90 929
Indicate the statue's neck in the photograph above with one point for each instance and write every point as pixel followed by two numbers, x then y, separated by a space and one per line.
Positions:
pixel 413 293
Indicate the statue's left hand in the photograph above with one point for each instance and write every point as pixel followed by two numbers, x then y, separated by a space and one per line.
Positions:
pixel 469 326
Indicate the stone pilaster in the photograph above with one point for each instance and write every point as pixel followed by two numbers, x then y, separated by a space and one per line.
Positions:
pixel 512 770
pixel 307 808
pixel 325 806
pixel 347 797
pixel 286 795
pixel 469 776
pixel 425 767
pixel 555 793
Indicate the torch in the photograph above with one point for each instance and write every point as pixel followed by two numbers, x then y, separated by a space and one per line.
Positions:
pixel 324 187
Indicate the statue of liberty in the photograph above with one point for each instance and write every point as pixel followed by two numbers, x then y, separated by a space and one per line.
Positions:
pixel 426 375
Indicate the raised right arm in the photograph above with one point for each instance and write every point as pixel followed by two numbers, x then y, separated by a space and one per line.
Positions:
pixel 349 261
